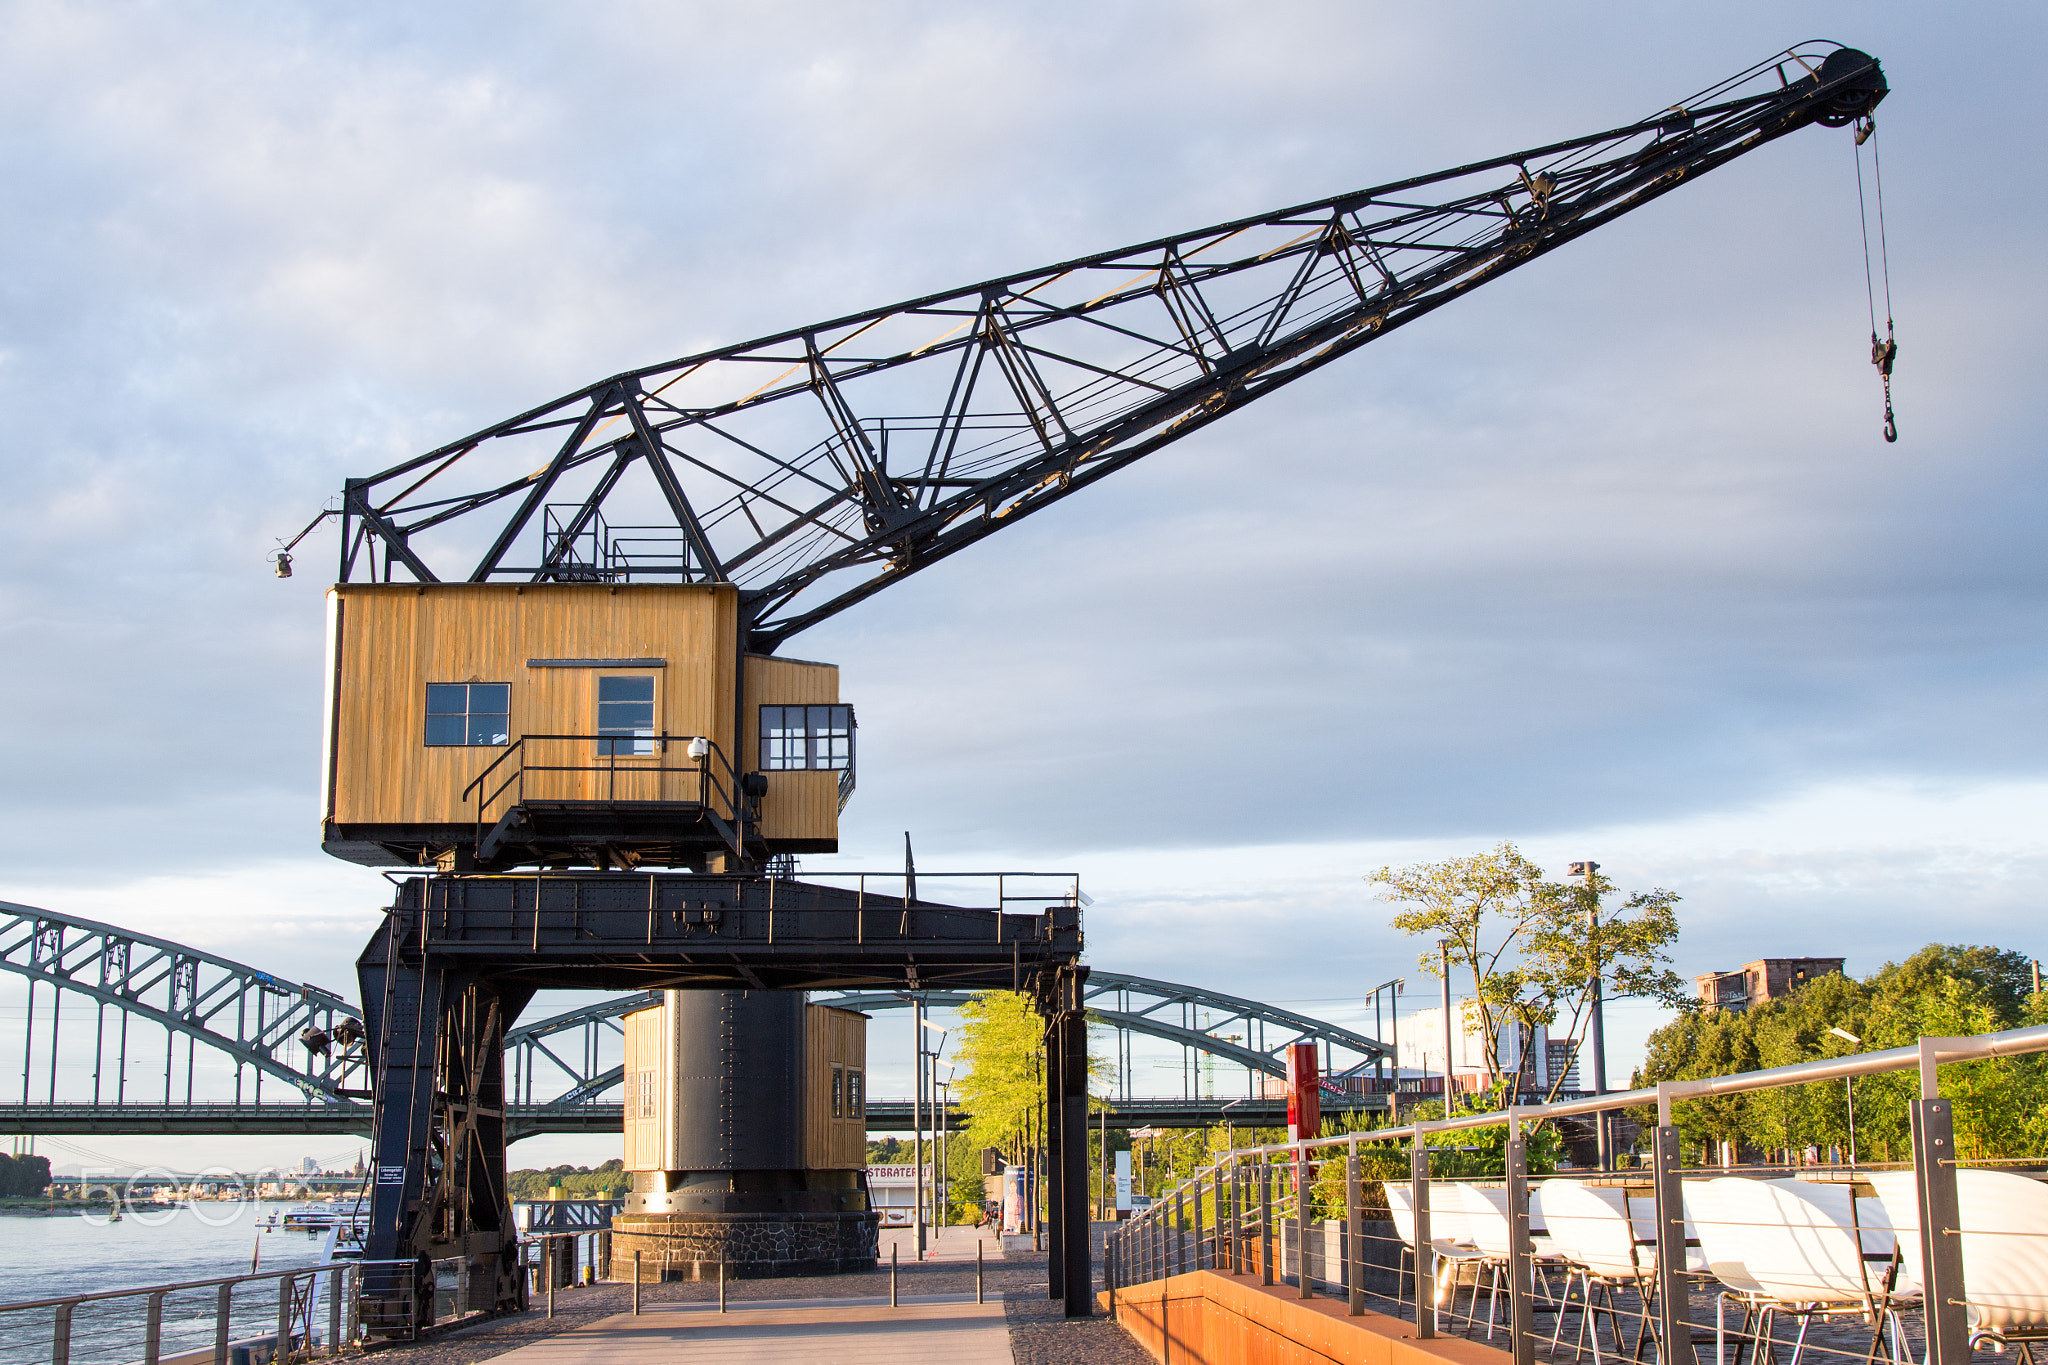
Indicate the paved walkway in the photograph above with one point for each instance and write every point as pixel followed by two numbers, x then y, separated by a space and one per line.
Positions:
pixel 944 1329
pixel 853 1331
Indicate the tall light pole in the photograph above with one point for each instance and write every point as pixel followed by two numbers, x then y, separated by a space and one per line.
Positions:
pixel 927 1079
pixel 945 1112
pixel 1598 1024
pixel 1849 1090
pixel 1443 946
pixel 917 1118
pixel 1379 1065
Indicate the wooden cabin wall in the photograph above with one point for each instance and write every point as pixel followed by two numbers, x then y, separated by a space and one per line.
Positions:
pixel 799 805
pixel 649 1066
pixel 834 1040
pixel 395 638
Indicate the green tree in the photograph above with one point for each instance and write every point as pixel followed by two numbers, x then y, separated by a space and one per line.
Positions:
pixel 1944 990
pixel 1002 1048
pixel 1527 943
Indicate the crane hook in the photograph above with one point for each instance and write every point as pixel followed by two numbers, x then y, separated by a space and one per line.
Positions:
pixel 1882 354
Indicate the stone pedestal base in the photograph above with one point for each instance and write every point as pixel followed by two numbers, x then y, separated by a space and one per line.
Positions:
pixel 753 1246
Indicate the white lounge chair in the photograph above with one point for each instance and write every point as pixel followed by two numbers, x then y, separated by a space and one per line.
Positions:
pixel 2004 1245
pixel 1486 1218
pixel 1589 1225
pixel 1784 1252
pixel 1449 1234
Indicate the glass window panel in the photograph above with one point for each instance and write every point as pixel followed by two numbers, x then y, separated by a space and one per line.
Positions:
pixel 625 706
pixel 493 699
pixel 485 729
pixel 625 689
pixel 445 729
pixel 782 738
pixel 447 699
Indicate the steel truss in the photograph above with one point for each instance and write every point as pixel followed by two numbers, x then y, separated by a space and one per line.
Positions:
pixel 557 1068
pixel 249 1016
pixel 816 466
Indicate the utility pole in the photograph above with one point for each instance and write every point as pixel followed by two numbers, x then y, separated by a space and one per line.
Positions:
pixel 1598 1025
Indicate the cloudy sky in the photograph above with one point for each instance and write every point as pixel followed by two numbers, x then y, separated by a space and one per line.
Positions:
pixel 1609 559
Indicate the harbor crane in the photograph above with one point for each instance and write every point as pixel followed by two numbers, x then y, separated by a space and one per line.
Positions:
pixel 556 644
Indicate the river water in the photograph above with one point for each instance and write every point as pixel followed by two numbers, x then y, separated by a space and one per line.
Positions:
pixel 44 1257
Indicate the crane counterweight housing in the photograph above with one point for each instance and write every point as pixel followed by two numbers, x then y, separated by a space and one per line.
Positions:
pixel 786 479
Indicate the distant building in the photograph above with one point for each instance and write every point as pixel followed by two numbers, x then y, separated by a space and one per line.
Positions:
pixel 308 1166
pixel 1766 979
pixel 1540 1059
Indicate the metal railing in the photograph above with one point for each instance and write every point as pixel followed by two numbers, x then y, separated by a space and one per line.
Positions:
pixel 709 781
pixel 312 1317
pixel 1252 1211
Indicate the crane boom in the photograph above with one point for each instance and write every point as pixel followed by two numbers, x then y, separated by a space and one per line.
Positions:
pixel 816 466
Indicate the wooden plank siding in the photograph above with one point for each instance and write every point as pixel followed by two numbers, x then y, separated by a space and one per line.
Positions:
pixel 649 1089
pixel 835 1048
pixel 393 639
pixel 799 805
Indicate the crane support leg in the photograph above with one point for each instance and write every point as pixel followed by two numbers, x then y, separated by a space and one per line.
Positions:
pixel 1069 1265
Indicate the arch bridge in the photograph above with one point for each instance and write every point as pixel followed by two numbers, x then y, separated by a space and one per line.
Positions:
pixel 129 1033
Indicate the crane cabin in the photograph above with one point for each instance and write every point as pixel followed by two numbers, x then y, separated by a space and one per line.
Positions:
pixel 490 726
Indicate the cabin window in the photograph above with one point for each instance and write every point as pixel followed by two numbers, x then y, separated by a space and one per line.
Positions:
pixel 625 706
pixel 838 1092
pixel 644 1095
pixel 853 1095
pixel 816 737
pixel 468 713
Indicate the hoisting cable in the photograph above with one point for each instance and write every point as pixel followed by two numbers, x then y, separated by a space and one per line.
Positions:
pixel 1882 353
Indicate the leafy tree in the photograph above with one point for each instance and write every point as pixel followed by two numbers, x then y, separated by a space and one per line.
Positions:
pixel 1944 990
pixel 608 1181
pixel 23 1177
pixel 1528 943
pixel 1002 1047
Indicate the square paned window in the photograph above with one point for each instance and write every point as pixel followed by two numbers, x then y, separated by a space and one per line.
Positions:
pixel 468 713
pixel 625 707
pixel 806 737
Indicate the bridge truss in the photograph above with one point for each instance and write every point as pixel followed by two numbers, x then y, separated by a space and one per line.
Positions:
pixel 128 1033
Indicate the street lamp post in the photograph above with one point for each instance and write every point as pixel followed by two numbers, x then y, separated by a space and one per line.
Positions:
pixel 1443 947
pixel 1849 1091
pixel 922 1095
pixel 1598 1024
pixel 945 1144
pixel 1379 1065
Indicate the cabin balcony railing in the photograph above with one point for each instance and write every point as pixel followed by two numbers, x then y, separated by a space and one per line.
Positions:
pixel 617 768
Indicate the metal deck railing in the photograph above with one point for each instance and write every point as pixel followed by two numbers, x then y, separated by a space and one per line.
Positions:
pixel 1926 1262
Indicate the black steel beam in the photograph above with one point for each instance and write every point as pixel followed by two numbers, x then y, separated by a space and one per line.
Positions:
pixel 1018 391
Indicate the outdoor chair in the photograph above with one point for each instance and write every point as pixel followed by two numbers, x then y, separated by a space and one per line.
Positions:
pixel 1590 1227
pixel 2005 1251
pixel 1782 1250
pixel 1486 1218
pixel 1449 1235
